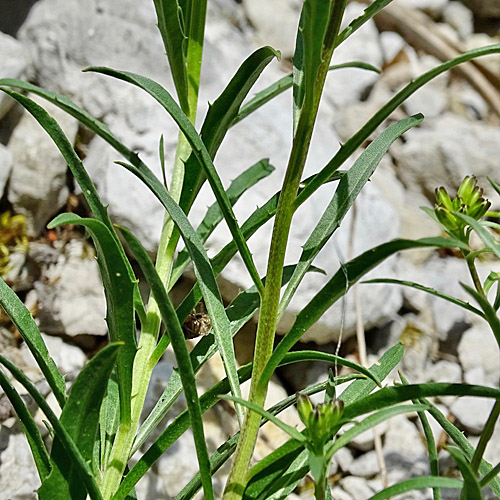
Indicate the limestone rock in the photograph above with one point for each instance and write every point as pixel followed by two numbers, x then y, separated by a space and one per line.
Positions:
pixel 17 462
pixel 445 151
pixel 14 63
pixel 70 297
pixel 281 36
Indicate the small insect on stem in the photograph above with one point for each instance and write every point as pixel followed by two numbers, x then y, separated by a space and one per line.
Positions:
pixel 197 324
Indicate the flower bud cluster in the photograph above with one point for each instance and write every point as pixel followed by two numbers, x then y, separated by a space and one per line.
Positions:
pixel 469 201
pixel 319 420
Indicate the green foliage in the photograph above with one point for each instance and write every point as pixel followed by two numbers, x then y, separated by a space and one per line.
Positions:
pixel 100 425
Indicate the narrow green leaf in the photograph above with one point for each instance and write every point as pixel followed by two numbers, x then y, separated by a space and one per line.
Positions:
pixel 355 24
pixel 418 483
pixel 30 429
pixel 485 481
pixel 80 464
pixel 296 356
pixel 181 423
pixel 370 422
pixel 213 216
pixel 338 285
pixel 432 291
pixel 109 418
pixel 291 431
pixel 394 395
pixel 471 488
pixel 178 341
pixel 482 232
pixel 430 441
pixel 201 153
pixel 174 38
pixel 348 148
pixel 119 290
pixel 239 312
pixel 461 441
pixel 284 84
pixel 266 475
pixel 80 421
pixel 28 329
pixel 346 193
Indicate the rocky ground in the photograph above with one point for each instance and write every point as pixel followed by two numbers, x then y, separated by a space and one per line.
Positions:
pixel 48 42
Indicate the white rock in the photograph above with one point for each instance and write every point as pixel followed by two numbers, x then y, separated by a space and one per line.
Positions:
pixel 17 462
pixel 5 167
pixel 445 151
pixel 68 358
pixel 392 44
pixel 458 16
pixel 478 348
pixel 431 99
pixel 402 437
pixel 281 36
pixel 364 442
pixel 343 458
pixel 14 62
pixel 357 487
pixel 446 371
pixel 71 299
pixel 37 187
pixel 472 413
pixel 339 494
pixel 365 465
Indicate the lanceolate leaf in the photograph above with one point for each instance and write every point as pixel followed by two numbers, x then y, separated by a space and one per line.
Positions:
pixel 35 441
pixel 181 424
pixel 201 153
pixel 265 475
pixel 371 125
pixel 394 395
pixel 213 216
pixel 119 291
pixel 178 341
pixel 285 83
pixel 338 285
pixel 471 488
pixel 429 290
pixel 417 483
pixel 28 329
pixel 80 420
pixel 346 193
pixel 172 32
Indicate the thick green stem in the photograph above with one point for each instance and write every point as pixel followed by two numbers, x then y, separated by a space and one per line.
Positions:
pixel 269 308
pixel 144 363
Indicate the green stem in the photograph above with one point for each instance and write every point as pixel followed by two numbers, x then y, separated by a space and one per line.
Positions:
pixel 145 362
pixel 475 277
pixel 236 482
